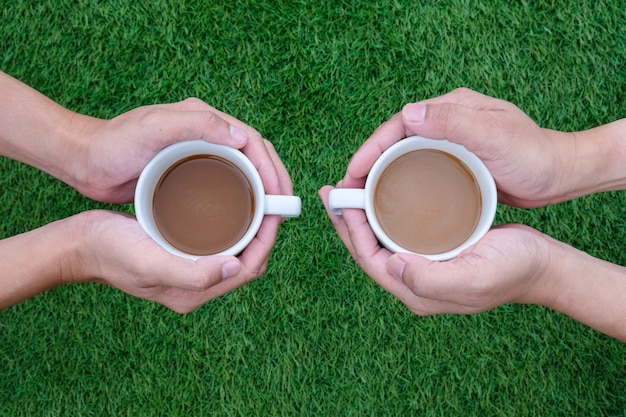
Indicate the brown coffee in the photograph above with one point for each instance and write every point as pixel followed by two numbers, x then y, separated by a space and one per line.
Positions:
pixel 203 205
pixel 427 201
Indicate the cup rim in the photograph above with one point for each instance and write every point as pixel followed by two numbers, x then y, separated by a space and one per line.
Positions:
pixel 485 182
pixel 170 155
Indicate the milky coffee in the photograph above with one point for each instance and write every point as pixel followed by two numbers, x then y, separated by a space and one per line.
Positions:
pixel 203 205
pixel 427 201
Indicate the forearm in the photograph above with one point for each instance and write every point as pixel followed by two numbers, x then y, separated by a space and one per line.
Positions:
pixel 587 289
pixel 594 160
pixel 36 261
pixel 37 131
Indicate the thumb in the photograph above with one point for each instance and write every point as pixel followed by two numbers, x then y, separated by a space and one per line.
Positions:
pixel 425 278
pixel 454 122
pixel 176 126
pixel 199 275
pixel 408 269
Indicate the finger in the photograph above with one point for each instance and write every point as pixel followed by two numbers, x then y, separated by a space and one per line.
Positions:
pixel 408 123
pixel 176 126
pixel 255 257
pixel 220 288
pixel 338 223
pixel 449 281
pixel 193 104
pixel 257 151
pixel 362 237
pixel 437 287
pixel 184 301
pixel 373 260
pixel 454 122
pixel 252 264
pixel 173 271
pixel 452 116
pixel 212 125
pixel 284 179
pixel 464 97
pixel 462 116
pixel 386 135
pixel 371 257
pixel 194 299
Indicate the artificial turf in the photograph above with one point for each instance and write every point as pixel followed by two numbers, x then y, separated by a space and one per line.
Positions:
pixel 314 336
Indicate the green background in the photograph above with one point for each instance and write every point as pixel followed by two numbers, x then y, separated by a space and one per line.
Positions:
pixel 314 336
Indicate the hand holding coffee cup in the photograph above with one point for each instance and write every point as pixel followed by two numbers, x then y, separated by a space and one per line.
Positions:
pixel 196 199
pixel 428 197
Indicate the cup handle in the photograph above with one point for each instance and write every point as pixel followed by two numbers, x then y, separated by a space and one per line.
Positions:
pixel 283 205
pixel 341 198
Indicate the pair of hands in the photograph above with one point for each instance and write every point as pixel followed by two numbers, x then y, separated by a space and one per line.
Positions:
pixel 512 263
pixel 116 250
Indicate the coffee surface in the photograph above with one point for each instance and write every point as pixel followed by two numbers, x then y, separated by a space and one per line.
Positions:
pixel 427 201
pixel 203 205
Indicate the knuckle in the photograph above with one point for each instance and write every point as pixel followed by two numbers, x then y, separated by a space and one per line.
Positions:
pixel 450 117
pixel 478 293
pixel 261 270
pixel 145 275
pixel 211 118
pixel 150 117
pixel 183 309
pixel 420 312
pixel 178 309
pixel 201 282
pixel 254 136
pixel 269 145
pixel 361 261
pixel 193 101
pixel 462 91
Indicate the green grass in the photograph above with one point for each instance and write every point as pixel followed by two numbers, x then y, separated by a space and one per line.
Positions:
pixel 315 336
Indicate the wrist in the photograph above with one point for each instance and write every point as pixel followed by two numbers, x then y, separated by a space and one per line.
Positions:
pixel 39 260
pixel 556 258
pixel 589 290
pixel 74 139
pixel 543 276
pixel 609 141
pixel 79 262
pixel 592 161
pixel 71 245
pixel 39 132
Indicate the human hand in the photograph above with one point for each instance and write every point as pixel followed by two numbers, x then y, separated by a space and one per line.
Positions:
pixel 115 151
pixel 509 264
pixel 114 170
pixel 527 162
pixel 113 249
pixel 121 254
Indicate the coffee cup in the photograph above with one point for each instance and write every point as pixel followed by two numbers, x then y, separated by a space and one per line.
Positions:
pixel 196 198
pixel 428 197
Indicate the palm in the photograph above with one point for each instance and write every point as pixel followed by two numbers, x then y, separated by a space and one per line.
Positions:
pixel 503 267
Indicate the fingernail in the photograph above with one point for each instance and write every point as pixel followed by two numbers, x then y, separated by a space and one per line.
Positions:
pixel 395 266
pixel 230 269
pixel 414 112
pixel 238 135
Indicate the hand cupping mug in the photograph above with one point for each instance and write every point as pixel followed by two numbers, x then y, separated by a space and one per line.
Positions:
pixel 428 197
pixel 195 199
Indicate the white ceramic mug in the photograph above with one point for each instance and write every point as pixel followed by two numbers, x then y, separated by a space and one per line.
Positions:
pixel 341 198
pixel 286 206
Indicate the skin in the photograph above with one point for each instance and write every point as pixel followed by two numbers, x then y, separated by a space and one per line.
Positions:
pixel 102 159
pixel 532 167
